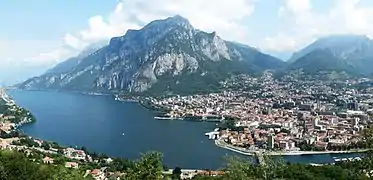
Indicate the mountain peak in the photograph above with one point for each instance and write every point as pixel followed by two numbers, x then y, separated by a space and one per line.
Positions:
pixel 167 55
pixel 176 20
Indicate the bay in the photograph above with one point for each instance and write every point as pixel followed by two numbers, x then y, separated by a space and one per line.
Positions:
pixel 125 129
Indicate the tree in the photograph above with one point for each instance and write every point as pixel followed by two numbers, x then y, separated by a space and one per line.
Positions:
pixel 176 173
pixel 3 174
pixel 367 137
pixel 67 174
pixel 120 164
pixel 148 167
pixel 60 151
pixel 271 167
pixel 83 148
pixel 15 165
pixel 238 169
pixel 45 145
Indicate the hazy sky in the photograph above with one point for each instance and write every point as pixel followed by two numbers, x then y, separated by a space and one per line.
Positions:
pixel 37 34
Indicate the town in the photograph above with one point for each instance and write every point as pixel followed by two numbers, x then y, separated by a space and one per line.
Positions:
pixel 283 115
pixel 255 115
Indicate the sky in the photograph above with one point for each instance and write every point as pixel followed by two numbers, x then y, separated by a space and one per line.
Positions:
pixel 39 34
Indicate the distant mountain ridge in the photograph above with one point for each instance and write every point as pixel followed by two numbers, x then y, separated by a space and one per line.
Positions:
pixel 321 60
pixel 167 55
pixel 170 55
pixel 350 53
pixel 74 61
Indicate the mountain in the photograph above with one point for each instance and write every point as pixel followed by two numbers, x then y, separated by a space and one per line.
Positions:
pixel 167 55
pixel 74 61
pixel 321 60
pixel 353 53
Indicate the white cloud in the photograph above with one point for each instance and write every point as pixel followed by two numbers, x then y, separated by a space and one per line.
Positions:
pixel 222 16
pixel 279 40
pixel 298 6
pixel 303 24
pixel 300 24
pixel 73 41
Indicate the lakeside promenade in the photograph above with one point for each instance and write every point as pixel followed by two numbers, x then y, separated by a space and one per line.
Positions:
pixel 244 151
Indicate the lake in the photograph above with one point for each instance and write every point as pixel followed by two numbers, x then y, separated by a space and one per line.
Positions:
pixel 125 129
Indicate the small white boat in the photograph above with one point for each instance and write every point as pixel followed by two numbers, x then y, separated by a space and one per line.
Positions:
pixel 164 118
pixel 122 134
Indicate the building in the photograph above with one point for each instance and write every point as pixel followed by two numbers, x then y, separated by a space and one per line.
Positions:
pixel 353 106
pixel 315 122
pixel 355 121
pixel 72 165
pixel 48 160
pixel 283 145
pixel 271 142
pixel 98 174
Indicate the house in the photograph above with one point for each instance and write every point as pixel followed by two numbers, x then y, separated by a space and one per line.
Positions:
pixel 38 141
pixel 321 145
pixel 72 165
pixel 48 160
pixel 211 173
pixel 9 117
pixel 109 160
pixel 98 173
pixel 3 144
pixel 95 172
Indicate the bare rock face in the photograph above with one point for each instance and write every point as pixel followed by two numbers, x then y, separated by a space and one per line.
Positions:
pixel 167 51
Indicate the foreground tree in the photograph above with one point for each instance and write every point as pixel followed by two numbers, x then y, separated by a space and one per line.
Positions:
pixel 237 169
pixel 16 166
pixel 149 167
pixel 176 173
pixel 273 167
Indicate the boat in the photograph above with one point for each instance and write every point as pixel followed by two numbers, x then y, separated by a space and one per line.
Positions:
pixel 122 134
pixel 95 94
pixel 129 100
pixel 164 118
pixel 117 98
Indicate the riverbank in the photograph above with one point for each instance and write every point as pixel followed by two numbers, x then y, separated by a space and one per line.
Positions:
pixel 244 151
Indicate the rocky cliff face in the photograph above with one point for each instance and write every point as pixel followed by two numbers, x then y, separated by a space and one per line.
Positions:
pixel 165 54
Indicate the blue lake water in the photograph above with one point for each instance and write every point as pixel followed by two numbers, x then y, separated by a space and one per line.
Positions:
pixel 123 129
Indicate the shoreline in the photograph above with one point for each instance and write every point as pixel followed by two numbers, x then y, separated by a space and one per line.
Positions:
pixel 242 151
pixel 254 153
